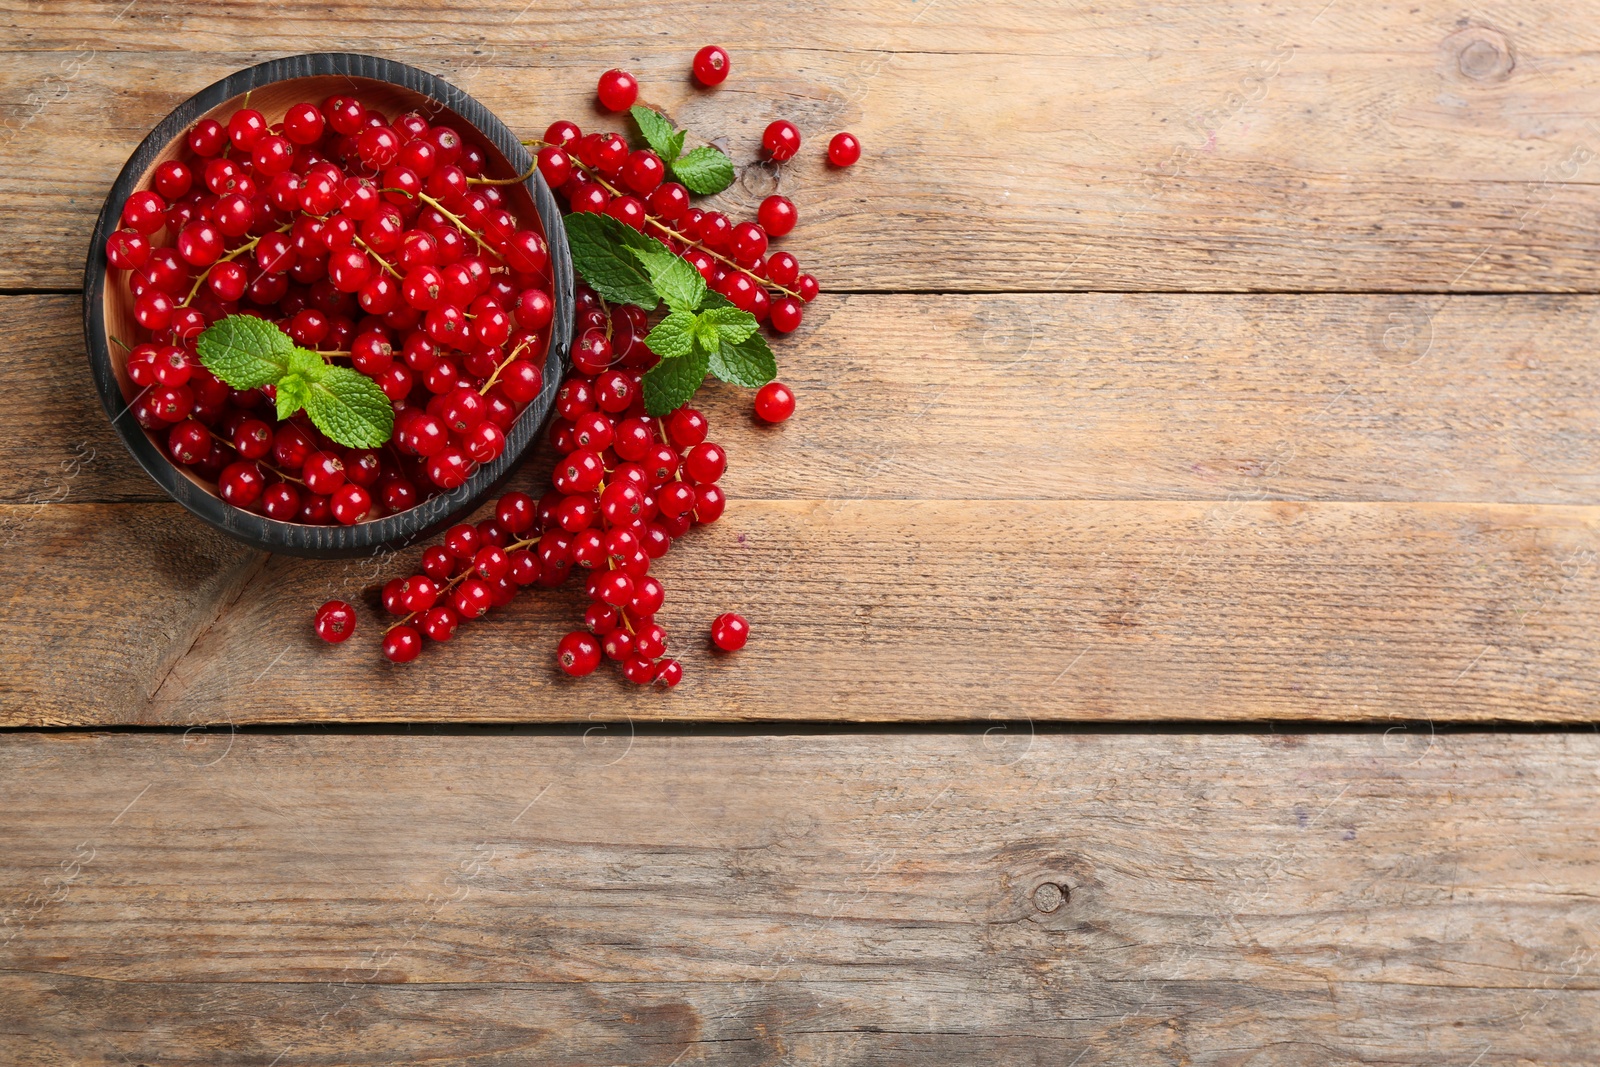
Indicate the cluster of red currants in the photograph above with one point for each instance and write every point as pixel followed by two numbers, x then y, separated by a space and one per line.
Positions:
pixel 368 239
pixel 625 488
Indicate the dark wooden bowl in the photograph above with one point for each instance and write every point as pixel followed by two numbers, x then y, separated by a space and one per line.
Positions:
pixel 273 87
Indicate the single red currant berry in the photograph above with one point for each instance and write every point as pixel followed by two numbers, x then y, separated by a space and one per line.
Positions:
pixel 418 593
pixel 555 165
pixel 281 502
pixel 402 644
pixel 650 641
pixel 562 133
pixel 336 621
pixel 526 252
pixel 472 599
pixel 670 201
pixel 207 137
pixel 639 671
pixel 303 124
pixel 144 212
pixel 807 287
pixel 711 504
pixel 781 140
pixel 729 632
pixel 715 230
pixel 189 442
pixel 844 149
pixel 351 503
pixel 617 645
pixel 173 179
pixel 241 483
pixel 492 563
pixel 246 127
pixel 127 249
pixel 440 623
pixel 615 587
pixel 704 463
pixel 617 90
pixel 522 380
pixel 774 402
pixel 391 596
pixel 711 65
pixel 578 653
pixel 322 473
pixel 644 172
pixel 592 354
pixel 777 215
pixel 786 314
pixel 602 618
pixel 748 244
pixel 516 512
pixel 439 563
pixel 669 673
pixel 686 427
pixel 676 498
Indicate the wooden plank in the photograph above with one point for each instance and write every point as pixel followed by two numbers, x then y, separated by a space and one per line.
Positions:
pixel 1231 899
pixel 102 601
pixel 1035 147
pixel 884 610
pixel 1057 397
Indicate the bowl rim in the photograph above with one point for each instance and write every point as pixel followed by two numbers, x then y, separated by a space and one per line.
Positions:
pixel 391 531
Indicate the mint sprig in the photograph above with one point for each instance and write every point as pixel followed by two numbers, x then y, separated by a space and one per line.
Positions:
pixel 249 352
pixel 704 170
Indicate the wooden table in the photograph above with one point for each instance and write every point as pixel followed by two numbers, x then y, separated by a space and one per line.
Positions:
pixel 1175 602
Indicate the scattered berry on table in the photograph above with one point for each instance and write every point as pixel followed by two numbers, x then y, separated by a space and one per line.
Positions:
pixel 844 150
pixel 729 632
pixel 781 140
pixel 336 621
pixel 711 65
pixel 618 90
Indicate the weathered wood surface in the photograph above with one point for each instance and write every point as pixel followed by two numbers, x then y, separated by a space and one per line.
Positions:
pixel 1058 397
pixel 1026 146
pixel 1380 898
pixel 867 610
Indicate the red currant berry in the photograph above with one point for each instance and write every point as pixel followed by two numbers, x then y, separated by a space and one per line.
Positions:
pixel 522 381
pixel 807 287
pixel 748 244
pixel 615 588
pixel 669 673
pixel 786 314
pixel 618 90
pixel 526 252
pixel 709 507
pixel 644 172
pixel 686 427
pixel 417 593
pixel 774 402
pixel 241 484
pixel 281 502
pixel 472 599
pixel 578 653
pixel 648 596
pixel 710 65
pixel 715 230
pixel 351 504
pixel 639 671
pixel 303 124
pixel 676 498
pixel 650 641
pixel 207 137
pixel 189 442
pixel 729 632
pixel 173 179
pixel 336 621
pixel 844 149
pixel 144 212
pixel 617 645
pixel 245 127
pixel 555 165
pixel 402 644
pixel 127 249
pixel 777 215
pixel 781 140
pixel 670 201
pixel 462 541
pixel 704 463
pixel 592 354
pixel 440 623
pixel 323 472
pixel 492 563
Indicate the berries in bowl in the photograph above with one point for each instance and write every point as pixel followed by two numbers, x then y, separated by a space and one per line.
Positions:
pixel 328 303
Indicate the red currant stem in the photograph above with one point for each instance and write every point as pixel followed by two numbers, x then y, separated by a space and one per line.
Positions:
pixel 457 580
pixel 507 181
pixel 504 363
pixel 119 341
pixel 459 223
pixel 668 230
pixel 381 261
pixel 235 254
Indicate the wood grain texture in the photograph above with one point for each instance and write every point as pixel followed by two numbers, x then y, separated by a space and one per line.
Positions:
pixel 217 899
pixel 1057 397
pixel 895 610
pixel 1228 145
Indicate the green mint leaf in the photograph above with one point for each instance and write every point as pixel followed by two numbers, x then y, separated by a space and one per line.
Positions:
pixel 307 364
pixel 672 336
pixel 748 363
pixel 658 133
pixel 670 383
pixel 350 408
pixel 679 284
pixel 706 335
pixel 244 351
pixel 704 170
pixel 292 393
pixel 732 324
pixel 600 247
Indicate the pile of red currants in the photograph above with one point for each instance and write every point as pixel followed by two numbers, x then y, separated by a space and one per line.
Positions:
pixel 373 240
